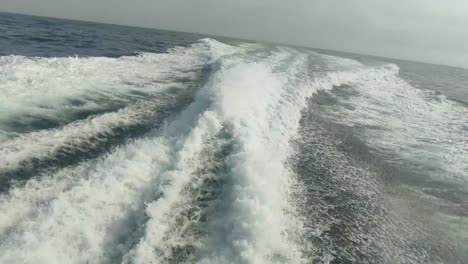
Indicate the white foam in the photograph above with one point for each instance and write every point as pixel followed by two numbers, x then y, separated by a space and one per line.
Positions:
pixel 101 194
pixel 86 214
pixel 256 222
pixel 253 220
pixel 45 143
pixel 76 216
pixel 417 126
pixel 46 86
pixel 155 245
pixel 251 224
pixel 180 63
pixel 76 226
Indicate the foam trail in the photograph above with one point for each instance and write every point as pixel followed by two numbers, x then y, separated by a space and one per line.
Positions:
pixel 355 141
pixel 251 224
pixel 45 143
pixel 149 251
pixel 153 157
pixel 107 196
pixel 26 154
pixel 152 248
pixel 90 134
pixel 126 205
pixel 259 103
pixel 21 202
pixel 59 89
pixel 255 220
pixel 113 191
pixel 398 117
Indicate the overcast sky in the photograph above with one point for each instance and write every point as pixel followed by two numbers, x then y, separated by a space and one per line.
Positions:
pixel 424 30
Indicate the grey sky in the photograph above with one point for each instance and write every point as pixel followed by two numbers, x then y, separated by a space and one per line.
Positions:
pixel 424 30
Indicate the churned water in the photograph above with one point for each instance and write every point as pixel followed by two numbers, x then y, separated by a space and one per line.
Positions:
pixel 130 145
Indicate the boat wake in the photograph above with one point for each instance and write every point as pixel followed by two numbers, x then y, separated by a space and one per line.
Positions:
pixel 204 154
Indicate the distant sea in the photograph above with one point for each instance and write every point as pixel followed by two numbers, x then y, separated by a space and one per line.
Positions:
pixel 132 145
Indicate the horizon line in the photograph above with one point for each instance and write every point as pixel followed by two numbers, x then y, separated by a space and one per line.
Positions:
pixel 243 39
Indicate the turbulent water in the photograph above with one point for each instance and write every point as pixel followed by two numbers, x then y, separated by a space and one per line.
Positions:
pixel 126 145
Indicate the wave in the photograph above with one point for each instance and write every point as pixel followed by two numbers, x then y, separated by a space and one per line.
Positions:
pixel 246 214
pixel 208 181
pixel 171 88
pixel 49 92
pixel 35 152
pixel 408 124
pixel 103 188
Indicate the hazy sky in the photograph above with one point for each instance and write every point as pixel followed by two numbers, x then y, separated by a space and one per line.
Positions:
pixel 425 30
